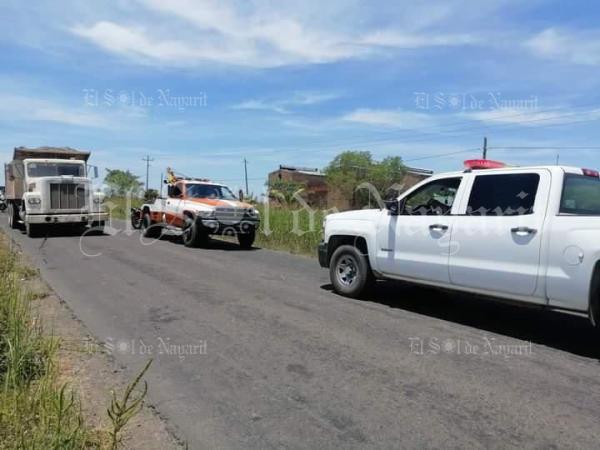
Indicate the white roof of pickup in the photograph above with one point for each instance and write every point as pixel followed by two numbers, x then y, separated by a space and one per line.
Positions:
pixel 553 168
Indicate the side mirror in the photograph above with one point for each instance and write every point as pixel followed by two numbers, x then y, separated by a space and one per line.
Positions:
pixel 393 206
pixel 241 195
pixel 95 171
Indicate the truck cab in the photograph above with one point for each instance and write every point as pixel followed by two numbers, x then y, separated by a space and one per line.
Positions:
pixel 526 234
pixel 197 208
pixel 47 187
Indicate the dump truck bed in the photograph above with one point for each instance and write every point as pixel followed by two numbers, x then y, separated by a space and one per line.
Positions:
pixel 22 153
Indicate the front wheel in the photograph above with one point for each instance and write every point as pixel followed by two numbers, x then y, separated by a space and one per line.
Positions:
pixel 246 239
pixel 13 216
pixel 193 235
pixel 33 230
pixel 349 271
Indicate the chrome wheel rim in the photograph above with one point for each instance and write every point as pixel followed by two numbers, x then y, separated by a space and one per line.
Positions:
pixel 187 231
pixel 347 270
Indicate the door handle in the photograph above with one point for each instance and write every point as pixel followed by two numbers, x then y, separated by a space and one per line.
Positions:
pixel 438 227
pixel 523 230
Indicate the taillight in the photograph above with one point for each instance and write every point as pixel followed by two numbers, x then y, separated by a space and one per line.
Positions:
pixel 591 173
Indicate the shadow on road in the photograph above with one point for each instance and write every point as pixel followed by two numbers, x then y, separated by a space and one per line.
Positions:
pixel 561 331
pixel 63 231
pixel 214 243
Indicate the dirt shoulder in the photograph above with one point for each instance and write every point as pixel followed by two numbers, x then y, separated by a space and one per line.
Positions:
pixel 92 372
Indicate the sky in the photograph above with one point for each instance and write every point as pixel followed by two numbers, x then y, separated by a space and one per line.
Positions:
pixel 201 85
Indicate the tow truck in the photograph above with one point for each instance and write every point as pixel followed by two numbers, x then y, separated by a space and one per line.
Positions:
pixel 196 208
pixel 524 234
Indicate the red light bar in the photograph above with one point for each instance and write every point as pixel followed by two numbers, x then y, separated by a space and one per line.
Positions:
pixel 591 173
pixel 476 164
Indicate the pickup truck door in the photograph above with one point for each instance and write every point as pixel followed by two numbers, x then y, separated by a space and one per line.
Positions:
pixel 497 235
pixel 414 244
pixel 172 210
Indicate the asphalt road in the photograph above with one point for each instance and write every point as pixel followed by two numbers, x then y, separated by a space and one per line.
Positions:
pixel 269 357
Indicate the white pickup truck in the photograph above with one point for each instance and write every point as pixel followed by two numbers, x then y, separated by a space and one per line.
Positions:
pixel 525 234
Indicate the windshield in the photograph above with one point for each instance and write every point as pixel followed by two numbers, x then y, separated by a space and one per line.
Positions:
pixel 209 191
pixel 35 169
pixel 581 196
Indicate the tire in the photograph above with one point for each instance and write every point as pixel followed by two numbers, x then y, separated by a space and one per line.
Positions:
pixel 149 229
pixel 33 230
pixel 13 217
pixel 98 227
pixel 350 272
pixel 594 307
pixel 2 206
pixel 136 221
pixel 246 240
pixel 193 235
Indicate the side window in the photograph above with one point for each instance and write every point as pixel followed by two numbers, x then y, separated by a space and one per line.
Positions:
pixel 581 196
pixel 503 195
pixel 174 190
pixel 433 199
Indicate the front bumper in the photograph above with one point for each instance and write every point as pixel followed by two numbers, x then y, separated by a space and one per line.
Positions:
pixel 215 226
pixel 323 254
pixel 67 218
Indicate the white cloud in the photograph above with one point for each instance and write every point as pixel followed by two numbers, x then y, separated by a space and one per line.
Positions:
pixel 391 38
pixel 15 107
pixel 37 109
pixel 260 105
pixel 395 118
pixel 578 47
pixel 532 118
pixel 283 105
pixel 252 35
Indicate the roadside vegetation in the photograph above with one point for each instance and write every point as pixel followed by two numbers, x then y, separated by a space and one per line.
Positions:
pixel 37 411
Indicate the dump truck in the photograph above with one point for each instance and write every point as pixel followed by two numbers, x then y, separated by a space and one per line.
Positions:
pixel 47 186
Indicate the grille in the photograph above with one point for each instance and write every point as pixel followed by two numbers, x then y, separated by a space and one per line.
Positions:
pixel 67 196
pixel 229 214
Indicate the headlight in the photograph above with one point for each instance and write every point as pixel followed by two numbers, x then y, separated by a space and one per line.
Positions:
pixel 34 200
pixel 206 214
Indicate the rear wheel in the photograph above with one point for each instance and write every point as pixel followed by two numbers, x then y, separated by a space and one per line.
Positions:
pixel 246 239
pixel 193 235
pixel 349 271
pixel 149 229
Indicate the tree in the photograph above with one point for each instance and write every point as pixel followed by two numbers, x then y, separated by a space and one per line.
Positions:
pixel 351 169
pixel 120 183
pixel 283 190
pixel 150 195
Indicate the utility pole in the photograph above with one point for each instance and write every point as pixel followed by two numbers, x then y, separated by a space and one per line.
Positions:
pixel 246 176
pixel 161 184
pixel 148 161
pixel 484 148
